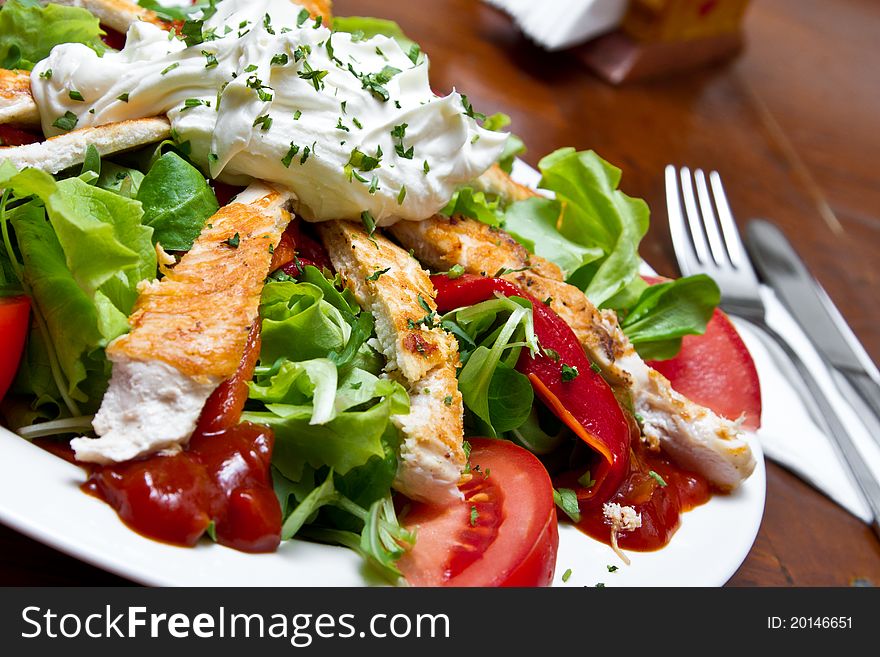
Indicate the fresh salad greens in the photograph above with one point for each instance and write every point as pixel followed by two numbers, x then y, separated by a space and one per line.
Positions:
pixel 318 386
pixel 30 29
pixel 78 245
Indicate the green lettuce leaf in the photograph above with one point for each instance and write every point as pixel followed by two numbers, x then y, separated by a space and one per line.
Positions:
pixel 83 251
pixel 466 202
pixel 666 312
pixel 597 214
pixel 533 223
pixel 364 27
pixel 29 31
pixel 177 201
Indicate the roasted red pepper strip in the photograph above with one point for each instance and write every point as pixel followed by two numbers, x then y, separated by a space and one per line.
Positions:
pixel 585 403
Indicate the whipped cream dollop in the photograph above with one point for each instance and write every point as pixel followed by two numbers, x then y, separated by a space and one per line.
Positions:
pixel 347 124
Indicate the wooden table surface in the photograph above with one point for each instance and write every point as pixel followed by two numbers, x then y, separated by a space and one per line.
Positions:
pixel 791 126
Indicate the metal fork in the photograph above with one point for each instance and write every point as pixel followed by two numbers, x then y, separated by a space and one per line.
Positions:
pixel 706 241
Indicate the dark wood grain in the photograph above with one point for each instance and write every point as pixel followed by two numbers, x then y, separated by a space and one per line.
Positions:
pixel 792 128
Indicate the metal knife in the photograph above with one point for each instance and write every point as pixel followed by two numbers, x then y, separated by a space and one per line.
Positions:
pixel 780 266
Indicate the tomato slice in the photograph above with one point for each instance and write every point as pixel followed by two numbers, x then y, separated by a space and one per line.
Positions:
pixel 716 370
pixel 504 532
pixel 14 316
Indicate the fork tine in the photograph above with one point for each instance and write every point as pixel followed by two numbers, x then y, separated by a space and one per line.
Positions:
pixel 695 222
pixel 710 221
pixel 728 225
pixel 687 259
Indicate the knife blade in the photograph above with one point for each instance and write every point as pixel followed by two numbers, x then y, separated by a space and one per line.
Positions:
pixel 781 267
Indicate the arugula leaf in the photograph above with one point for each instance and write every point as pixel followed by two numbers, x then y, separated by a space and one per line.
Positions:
pixel 308 508
pixel 29 31
pixel 533 224
pixel 668 311
pixel 597 214
pixel 177 201
pixel 174 12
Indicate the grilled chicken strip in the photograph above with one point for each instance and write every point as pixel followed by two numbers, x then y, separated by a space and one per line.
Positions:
pixel 694 436
pixel 67 150
pixel 188 332
pixel 422 356
pixel 16 102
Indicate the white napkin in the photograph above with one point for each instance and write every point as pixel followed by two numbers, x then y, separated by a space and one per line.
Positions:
pixel 558 24
pixel 788 433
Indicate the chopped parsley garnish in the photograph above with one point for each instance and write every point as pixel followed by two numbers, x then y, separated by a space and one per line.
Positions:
pixel 302 17
pixel 552 354
pixel 362 162
pixel 566 575
pixel 376 274
pixel 123 97
pixel 469 109
pixel 75 95
pixel 424 304
pixel 612 569
pixel 448 400
pixel 233 241
pixel 401 195
pixel 302 52
pixel 342 105
pixel 374 82
pixel 211 59
pixel 599 585
pixel 189 103
pixel 595 368
pixel 656 477
pixel 296 115
pixel 639 418
pixel 398 133
pixel 474 515
pixel 213 157
pixel 368 221
pixel 250 68
pixel 264 121
pixel 455 271
pixel 341 126
pixel 374 185
pixel 316 77
pixel 566 499
pixel 414 52
pixel 257 85
pixel 170 68
pixel 318 21
pixel 548 301
pixel 305 156
pixel 506 270
pixel 357 123
pixel 47 74
pixel 380 53
pixel 426 167
pixel 67 122
pixel 280 59
pixel 586 480
pixel 569 373
pixel 291 153
pixel 267 24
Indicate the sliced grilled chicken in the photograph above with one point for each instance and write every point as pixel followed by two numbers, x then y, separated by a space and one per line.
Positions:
pixel 16 102
pixel 188 332
pixel 117 14
pixel 67 150
pixel 392 285
pixel 694 436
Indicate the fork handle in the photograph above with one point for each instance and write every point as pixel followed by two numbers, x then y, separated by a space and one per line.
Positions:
pixel 858 468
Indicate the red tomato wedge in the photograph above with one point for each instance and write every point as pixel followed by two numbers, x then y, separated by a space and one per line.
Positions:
pixel 503 534
pixel 716 370
pixel 14 316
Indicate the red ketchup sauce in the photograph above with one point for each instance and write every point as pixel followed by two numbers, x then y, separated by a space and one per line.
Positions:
pixel 222 478
pixel 660 506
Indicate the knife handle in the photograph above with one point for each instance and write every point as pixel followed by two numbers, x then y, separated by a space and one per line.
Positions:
pixel 859 470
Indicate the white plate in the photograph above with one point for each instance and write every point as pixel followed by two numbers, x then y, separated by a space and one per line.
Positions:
pixel 39 496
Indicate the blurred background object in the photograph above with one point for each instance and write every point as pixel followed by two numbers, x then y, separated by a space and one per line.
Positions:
pixel 623 40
